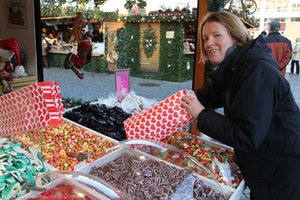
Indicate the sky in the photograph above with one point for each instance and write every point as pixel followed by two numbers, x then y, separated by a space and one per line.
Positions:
pixel 152 5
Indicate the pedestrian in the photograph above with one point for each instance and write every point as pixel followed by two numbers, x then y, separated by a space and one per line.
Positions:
pixel 261 119
pixel 296 57
pixel 46 45
pixel 281 46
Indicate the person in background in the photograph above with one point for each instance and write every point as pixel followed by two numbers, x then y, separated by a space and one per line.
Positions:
pixel 281 46
pixel 46 45
pixel 97 34
pixel 261 119
pixel 54 34
pixel 296 57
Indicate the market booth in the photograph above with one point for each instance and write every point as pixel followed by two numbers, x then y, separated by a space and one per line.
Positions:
pixel 139 43
pixel 103 41
pixel 88 151
pixel 81 150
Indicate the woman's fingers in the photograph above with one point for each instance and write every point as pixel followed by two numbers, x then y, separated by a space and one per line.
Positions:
pixel 192 105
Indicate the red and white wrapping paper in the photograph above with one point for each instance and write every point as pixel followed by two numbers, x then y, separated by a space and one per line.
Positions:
pixel 159 121
pixel 30 108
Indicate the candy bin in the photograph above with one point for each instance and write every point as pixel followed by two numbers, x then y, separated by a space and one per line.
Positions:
pixel 67 146
pixel 218 158
pixel 100 118
pixel 142 175
pixel 28 139
pixel 72 185
pixel 18 169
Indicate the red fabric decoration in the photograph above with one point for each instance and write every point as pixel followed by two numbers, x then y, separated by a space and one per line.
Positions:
pixel 11 44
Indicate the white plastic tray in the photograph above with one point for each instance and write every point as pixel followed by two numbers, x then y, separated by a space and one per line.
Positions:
pixel 237 193
pixel 227 191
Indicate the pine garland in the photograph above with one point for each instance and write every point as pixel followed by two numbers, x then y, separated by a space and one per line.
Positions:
pixel 128 47
pixel 99 2
pixel 149 41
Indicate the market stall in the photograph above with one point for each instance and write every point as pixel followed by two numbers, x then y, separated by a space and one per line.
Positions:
pixel 58 32
pixel 101 157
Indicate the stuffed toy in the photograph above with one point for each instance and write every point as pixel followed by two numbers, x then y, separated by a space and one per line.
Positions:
pixel 8 48
pixel 19 71
pixel 5 77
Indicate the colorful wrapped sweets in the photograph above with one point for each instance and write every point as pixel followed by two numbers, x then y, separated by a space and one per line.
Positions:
pixel 61 191
pixel 217 159
pixel 65 146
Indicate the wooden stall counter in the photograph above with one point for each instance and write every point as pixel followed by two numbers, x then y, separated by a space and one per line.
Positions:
pixel 20 82
pixel 98 49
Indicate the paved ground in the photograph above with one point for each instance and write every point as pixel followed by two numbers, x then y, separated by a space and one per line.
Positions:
pixel 101 85
pixel 295 86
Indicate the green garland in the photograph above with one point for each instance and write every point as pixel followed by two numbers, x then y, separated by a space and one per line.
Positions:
pixel 99 2
pixel 172 61
pixel 149 41
pixel 161 18
pixel 128 47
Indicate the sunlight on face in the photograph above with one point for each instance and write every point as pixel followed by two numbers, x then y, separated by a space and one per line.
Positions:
pixel 216 41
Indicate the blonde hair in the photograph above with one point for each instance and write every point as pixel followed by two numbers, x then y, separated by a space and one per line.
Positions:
pixel 233 25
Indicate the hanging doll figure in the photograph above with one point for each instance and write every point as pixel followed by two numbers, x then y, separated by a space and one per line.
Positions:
pixel 84 48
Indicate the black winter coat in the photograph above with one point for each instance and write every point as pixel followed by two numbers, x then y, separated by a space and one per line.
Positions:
pixel 262 119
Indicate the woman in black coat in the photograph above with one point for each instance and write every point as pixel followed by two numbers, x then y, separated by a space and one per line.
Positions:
pixel 261 119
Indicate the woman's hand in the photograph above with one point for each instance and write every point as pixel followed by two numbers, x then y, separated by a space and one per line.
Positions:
pixel 192 105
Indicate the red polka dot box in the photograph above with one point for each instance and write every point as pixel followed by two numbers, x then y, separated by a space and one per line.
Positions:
pixel 159 121
pixel 30 108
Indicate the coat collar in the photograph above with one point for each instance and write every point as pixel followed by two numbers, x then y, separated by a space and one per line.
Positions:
pixel 233 60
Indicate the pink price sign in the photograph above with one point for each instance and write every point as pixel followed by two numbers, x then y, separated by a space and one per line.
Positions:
pixel 122 83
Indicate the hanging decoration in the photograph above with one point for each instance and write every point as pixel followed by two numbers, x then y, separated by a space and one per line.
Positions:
pixel 112 57
pixel 149 41
pixel 188 66
pixel 141 4
pixel 129 4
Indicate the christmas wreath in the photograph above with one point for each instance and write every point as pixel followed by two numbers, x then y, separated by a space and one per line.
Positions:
pixel 129 4
pixel 141 3
pixel 149 41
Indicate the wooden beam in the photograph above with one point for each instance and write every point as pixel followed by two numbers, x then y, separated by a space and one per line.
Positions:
pixel 199 71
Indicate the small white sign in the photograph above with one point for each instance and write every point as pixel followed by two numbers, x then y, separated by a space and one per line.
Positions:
pixel 170 34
